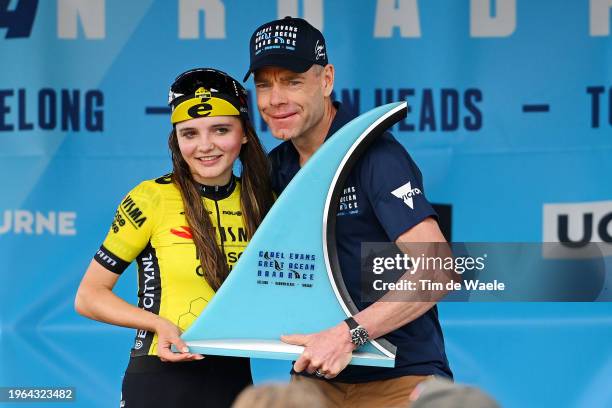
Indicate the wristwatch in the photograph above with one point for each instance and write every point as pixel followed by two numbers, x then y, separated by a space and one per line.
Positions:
pixel 359 335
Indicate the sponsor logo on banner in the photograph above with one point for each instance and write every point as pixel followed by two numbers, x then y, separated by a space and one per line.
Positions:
pixel 576 225
pixel 407 193
pixel 38 223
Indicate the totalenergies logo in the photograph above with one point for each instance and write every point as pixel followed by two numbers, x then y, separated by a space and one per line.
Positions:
pixel 183 232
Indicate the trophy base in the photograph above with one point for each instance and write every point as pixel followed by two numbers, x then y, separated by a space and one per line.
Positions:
pixel 274 349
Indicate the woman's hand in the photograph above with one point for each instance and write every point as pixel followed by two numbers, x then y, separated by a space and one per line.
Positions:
pixel 95 299
pixel 168 334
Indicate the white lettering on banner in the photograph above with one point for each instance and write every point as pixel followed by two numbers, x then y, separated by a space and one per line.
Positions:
pixel 483 23
pixel 23 222
pixel 488 18
pixel 189 19
pixel 599 21
pixel 5 226
pixel 405 16
pixel 66 222
pixel 27 222
pixel 43 223
pixel 91 13
pixel 313 11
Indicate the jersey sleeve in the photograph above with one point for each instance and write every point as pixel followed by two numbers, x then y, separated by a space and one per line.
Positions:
pixel 394 187
pixel 131 228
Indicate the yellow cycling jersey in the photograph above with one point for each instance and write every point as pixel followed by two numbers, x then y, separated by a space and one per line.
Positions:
pixel 150 227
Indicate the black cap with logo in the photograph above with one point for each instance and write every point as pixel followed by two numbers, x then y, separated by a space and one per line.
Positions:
pixel 290 43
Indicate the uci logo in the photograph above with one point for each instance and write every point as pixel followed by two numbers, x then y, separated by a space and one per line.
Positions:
pixel 577 224
pixel 202 109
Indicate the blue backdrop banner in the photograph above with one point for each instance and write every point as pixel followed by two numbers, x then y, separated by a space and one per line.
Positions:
pixel 509 119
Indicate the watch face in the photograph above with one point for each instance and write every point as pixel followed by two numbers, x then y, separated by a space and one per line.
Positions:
pixel 359 336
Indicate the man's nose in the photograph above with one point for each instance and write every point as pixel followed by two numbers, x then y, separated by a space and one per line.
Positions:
pixel 277 96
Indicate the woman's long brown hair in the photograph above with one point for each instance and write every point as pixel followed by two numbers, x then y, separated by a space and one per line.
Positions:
pixel 255 200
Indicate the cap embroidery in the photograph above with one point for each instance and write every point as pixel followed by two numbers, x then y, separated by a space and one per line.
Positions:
pixel 319 51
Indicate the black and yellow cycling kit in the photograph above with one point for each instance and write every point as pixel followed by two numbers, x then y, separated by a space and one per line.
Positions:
pixel 150 227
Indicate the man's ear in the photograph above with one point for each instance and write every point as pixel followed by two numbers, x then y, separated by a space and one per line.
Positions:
pixel 327 77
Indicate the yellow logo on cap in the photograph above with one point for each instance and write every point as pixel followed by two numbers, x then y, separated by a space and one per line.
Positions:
pixel 202 93
pixel 203 104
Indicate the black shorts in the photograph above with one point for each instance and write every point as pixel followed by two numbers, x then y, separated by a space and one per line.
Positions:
pixel 212 382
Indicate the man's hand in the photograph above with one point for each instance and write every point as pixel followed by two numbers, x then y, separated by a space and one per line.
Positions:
pixel 167 335
pixel 328 351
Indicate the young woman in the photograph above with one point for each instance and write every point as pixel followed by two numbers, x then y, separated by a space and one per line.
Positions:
pixel 185 230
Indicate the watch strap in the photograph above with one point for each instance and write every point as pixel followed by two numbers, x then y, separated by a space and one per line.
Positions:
pixel 352 323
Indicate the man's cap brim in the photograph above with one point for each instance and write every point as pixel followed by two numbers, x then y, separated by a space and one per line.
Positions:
pixel 283 60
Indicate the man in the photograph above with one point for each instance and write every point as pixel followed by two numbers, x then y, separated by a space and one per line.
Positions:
pixel 294 82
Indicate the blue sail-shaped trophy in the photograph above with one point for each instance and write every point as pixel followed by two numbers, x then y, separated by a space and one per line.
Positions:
pixel 288 279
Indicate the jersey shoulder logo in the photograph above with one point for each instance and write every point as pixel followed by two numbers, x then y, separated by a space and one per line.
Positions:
pixel 131 212
pixel 407 193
